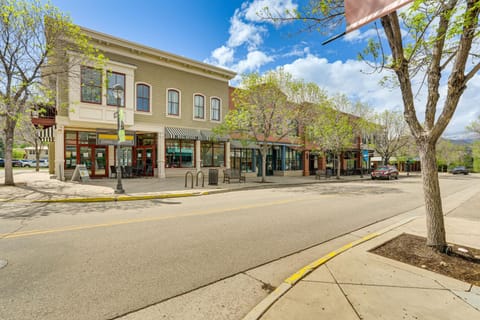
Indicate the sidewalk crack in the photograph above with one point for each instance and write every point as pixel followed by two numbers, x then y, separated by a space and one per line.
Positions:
pixel 265 285
pixel 344 293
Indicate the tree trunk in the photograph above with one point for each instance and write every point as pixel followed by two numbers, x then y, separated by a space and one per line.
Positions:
pixel 264 163
pixel 37 155
pixel 338 165
pixel 9 134
pixel 433 202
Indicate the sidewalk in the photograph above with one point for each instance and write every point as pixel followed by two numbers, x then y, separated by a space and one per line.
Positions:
pixel 37 186
pixel 352 283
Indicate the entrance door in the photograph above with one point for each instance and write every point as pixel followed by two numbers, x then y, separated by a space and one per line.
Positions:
pixel 86 158
pixel 144 161
pixel 100 161
pixel 95 159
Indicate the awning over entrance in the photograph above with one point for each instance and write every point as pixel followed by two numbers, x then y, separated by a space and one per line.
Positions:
pixel 210 136
pixel 240 145
pixel 47 134
pixel 182 133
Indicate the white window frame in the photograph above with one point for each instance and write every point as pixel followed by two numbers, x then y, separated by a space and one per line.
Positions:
pixel 204 107
pixel 219 109
pixel 151 96
pixel 179 103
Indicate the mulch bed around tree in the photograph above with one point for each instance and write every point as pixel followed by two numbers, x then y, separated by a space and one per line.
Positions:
pixel 462 263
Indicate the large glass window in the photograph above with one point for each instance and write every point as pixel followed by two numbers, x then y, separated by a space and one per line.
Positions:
pixel 215 109
pixel 242 159
pixel 179 153
pixel 173 103
pixel 143 98
pixel 91 85
pixel 293 159
pixel 113 79
pixel 199 107
pixel 212 154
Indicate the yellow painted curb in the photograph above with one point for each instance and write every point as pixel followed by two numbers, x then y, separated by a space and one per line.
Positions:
pixel 294 278
pixel 122 198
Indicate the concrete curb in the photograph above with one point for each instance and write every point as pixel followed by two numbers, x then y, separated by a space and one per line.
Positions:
pixel 259 310
pixel 123 198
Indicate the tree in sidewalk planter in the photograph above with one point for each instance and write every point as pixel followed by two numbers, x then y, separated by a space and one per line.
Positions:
pixel 262 112
pixel 433 42
pixel 35 38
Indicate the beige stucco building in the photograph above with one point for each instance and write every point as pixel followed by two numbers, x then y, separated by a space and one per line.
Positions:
pixel 170 105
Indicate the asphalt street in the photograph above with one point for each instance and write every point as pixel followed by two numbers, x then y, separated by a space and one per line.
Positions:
pixel 105 260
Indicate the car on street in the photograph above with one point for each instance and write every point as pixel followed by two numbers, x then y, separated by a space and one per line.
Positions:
pixel 16 163
pixel 459 170
pixel 385 172
pixel 43 163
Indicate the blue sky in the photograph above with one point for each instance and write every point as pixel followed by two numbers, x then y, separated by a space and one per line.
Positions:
pixel 230 34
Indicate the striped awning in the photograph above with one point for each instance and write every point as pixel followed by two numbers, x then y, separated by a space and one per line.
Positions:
pixel 182 133
pixel 47 134
pixel 210 136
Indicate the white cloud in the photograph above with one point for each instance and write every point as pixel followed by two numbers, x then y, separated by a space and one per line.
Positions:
pixel 253 62
pixel 244 33
pixel 223 55
pixel 351 78
pixel 256 10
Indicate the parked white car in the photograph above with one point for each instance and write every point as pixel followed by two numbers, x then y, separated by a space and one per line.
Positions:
pixel 43 163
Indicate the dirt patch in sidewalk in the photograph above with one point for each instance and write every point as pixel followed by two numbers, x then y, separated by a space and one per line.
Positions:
pixel 462 263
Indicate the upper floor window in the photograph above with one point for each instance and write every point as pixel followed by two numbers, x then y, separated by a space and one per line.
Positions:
pixel 215 109
pixel 199 107
pixel 91 85
pixel 173 103
pixel 143 97
pixel 113 79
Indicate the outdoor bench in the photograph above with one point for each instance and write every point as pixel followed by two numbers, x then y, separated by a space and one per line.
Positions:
pixel 235 174
pixel 322 173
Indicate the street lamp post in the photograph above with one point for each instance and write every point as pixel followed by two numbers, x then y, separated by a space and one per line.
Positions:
pixel 118 93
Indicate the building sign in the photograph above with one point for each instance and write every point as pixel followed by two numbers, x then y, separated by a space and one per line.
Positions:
pixel 108 138
pixel 359 13
pixel 365 155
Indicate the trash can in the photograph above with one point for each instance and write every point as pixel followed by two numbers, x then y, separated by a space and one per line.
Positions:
pixel 213 176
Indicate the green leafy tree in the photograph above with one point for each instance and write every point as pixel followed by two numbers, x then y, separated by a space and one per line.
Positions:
pixel 450 154
pixel 474 126
pixel 476 156
pixel 263 112
pixel 34 37
pixel 391 134
pixel 336 124
pixel 431 45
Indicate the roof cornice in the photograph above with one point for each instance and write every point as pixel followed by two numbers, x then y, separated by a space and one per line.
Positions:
pixel 112 44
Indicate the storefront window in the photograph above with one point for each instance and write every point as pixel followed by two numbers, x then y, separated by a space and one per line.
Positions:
pixel 212 154
pixel 87 138
pixel 242 159
pixel 180 153
pixel 70 157
pixel 293 159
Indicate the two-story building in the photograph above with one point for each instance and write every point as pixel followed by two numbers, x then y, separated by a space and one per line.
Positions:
pixel 170 105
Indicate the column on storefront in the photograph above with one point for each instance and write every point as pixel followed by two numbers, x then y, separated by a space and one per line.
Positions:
pixel 198 156
pixel 283 149
pixel 161 154
pixel 227 155
pixel 59 152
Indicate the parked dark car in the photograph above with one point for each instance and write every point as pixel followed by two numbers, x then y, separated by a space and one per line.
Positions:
pixel 459 170
pixel 15 163
pixel 385 172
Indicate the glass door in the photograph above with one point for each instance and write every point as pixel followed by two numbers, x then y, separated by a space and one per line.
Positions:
pixel 86 158
pixel 100 161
